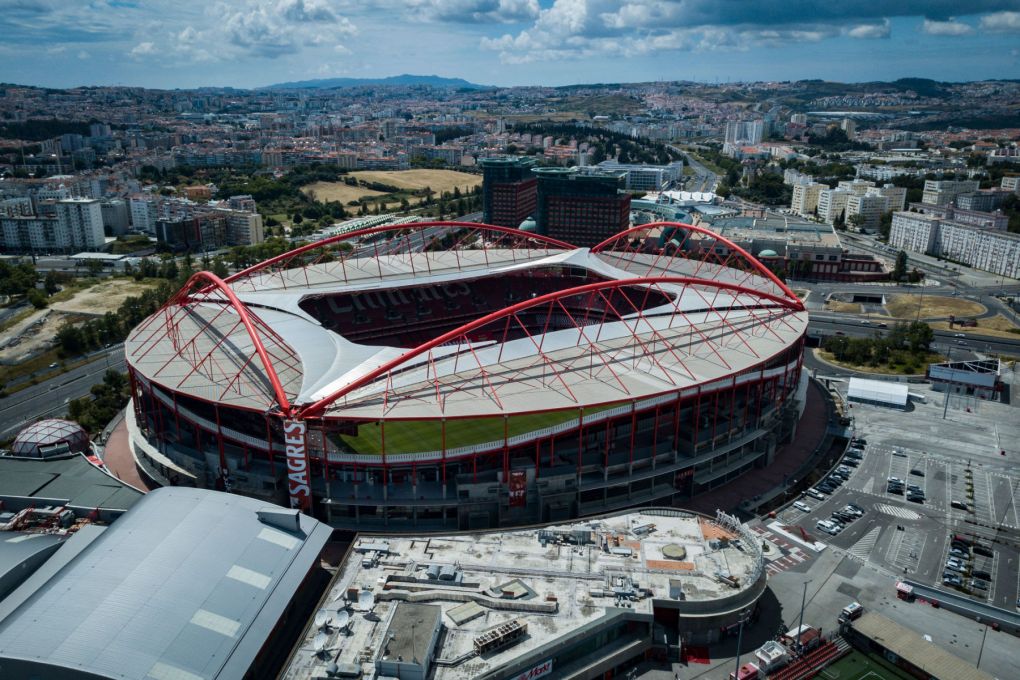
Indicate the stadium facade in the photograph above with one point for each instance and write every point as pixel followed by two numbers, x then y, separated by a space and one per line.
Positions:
pixel 462 376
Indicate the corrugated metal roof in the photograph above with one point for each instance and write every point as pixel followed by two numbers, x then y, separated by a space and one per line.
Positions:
pixel 158 593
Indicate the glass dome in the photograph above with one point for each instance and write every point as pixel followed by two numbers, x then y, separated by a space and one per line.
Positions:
pixel 46 435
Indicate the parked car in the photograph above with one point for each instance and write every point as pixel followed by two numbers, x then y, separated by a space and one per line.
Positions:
pixel 952 581
pixel 804 507
pixel 814 493
pixel 959 505
pixel 917 472
pixel 983 550
pixel 979 585
pixel 956 552
pixel 828 527
pixel 914 498
pixel 898 490
pixel 897 480
pixel 855 507
pixel 852 462
pixel 981 574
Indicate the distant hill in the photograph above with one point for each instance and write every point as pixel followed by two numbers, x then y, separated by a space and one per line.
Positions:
pixel 404 80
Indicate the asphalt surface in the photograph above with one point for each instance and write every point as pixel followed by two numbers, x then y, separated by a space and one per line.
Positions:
pixel 959 460
pixel 50 397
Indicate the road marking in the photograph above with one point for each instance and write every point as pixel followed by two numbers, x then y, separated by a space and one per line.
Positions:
pixel 894 511
pixel 862 548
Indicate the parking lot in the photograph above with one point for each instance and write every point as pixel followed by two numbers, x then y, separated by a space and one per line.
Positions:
pixel 921 480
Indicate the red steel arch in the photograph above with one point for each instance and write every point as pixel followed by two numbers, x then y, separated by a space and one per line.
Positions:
pixel 315 409
pixel 213 282
pixel 753 261
pixel 290 254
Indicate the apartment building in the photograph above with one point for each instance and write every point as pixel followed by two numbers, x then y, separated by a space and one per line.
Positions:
pixel 945 191
pixel 992 250
pixel 805 198
pixel 832 204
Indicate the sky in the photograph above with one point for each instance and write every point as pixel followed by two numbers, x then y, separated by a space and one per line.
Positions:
pixel 253 43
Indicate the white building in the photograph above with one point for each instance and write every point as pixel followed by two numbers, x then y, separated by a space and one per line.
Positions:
pixel 1011 183
pixel 645 177
pixel 867 210
pixel 243 228
pixel 744 132
pixel 943 192
pixel 992 250
pixel 80 224
pixel 143 214
pixel 858 187
pixel 805 198
pixel 915 232
pixel 832 203
pixel 29 234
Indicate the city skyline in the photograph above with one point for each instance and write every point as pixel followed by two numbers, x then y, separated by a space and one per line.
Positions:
pixel 500 42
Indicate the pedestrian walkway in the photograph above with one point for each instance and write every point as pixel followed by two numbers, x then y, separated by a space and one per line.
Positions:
pixel 118 459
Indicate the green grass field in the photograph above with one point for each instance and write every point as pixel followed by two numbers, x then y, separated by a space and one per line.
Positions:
pixel 858 666
pixel 404 436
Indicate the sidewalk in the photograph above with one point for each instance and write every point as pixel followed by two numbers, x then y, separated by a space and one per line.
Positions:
pixel 118 459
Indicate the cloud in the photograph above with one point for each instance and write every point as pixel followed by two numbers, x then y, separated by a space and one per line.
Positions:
pixel 143 49
pixel 475 11
pixel 946 28
pixel 584 27
pixel 870 31
pixel 1001 22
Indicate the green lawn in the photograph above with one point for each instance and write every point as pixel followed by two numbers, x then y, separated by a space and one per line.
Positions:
pixel 404 436
pixel 858 666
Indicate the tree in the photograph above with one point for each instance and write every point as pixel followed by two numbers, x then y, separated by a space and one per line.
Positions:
pixel 52 283
pixel 297 218
pixel 900 269
pixel 37 298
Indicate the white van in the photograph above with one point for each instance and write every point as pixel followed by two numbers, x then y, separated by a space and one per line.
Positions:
pixel 804 507
pixel 851 611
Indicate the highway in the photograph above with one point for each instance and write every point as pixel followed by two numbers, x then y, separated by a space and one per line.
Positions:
pixel 50 397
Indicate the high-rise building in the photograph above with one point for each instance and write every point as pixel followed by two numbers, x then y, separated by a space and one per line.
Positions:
pixel 866 211
pixel 509 190
pixel 990 249
pixel 832 204
pixel 744 132
pixel 582 209
pixel 943 192
pixel 116 216
pixel 805 198
pixel 80 224
pixel 143 214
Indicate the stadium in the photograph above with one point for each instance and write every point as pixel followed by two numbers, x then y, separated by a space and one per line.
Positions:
pixel 448 375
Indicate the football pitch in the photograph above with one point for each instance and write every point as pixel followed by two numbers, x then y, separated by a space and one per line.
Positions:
pixel 858 666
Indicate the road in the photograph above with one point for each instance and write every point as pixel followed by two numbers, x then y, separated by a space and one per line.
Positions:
pixel 50 398
pixel 704 179
pixel 821 325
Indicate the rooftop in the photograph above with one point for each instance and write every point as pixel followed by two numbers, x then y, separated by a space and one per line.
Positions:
pixel 189 584
pixel 556 580
pixel 69 479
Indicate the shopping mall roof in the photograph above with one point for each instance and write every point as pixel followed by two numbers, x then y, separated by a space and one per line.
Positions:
pixel 561 580
pixel 67 480
pixel 187 585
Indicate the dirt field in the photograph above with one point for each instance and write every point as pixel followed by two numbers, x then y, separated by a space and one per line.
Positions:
pixel 101 298
pixel 997 325
pixel 438 180
pixel 843 307
pixel 31 336
pixel 337 191
pixel 932 306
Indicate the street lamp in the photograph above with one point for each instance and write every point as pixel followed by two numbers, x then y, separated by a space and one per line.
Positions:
pixel 800 624
pixel 744 615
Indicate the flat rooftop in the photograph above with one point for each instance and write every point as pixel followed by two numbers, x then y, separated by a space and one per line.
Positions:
pixel 70 479
pixel 558 580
